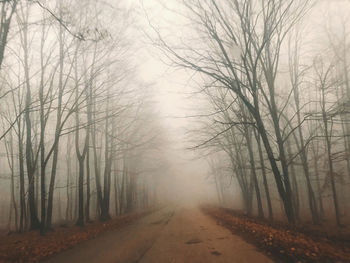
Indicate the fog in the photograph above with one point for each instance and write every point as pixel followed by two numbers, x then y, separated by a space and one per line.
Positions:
pixel 109 107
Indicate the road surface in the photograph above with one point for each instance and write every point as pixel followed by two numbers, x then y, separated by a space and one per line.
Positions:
pixel 177 235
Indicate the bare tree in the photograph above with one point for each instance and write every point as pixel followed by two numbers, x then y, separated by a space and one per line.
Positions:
pixel 258 31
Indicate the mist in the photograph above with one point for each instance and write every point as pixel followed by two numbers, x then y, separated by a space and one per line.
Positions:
pixel 119 108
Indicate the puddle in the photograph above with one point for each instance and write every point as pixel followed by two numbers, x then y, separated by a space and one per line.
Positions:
pixel 193 241
pixel 216 253
pixel 157 222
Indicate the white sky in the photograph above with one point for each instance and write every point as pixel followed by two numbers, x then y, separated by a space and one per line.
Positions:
pixel 189 176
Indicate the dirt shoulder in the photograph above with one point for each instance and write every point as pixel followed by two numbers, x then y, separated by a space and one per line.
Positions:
pixel 31 247
pixel 283 243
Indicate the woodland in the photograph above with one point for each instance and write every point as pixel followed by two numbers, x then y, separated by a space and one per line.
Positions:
pixel 77 124
pixel 80 138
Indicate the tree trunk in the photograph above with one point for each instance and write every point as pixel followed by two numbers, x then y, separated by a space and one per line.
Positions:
pixel 284 193
pixel 263 170
pixel 253 173
pixel 80 221
pixel 88 195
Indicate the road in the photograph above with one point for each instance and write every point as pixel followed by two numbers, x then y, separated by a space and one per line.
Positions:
pixel 175 235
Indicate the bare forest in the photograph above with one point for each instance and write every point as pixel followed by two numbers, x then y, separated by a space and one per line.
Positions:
pixel 78 128
pixel 230 110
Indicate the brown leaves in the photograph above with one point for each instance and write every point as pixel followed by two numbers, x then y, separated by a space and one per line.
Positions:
pixel 287 244
pixel 31 247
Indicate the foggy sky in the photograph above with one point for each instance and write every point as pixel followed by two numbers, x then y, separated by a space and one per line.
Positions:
pixel 173 87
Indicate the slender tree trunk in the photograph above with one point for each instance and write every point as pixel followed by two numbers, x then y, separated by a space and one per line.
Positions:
pixel 329 155
pixel 217 189
pixel 30 159
pixel 88 196
pixel 263 170
pixel 80 221
pixel 11 162
pixel 304 160
pixel 122 190
pixel 5 25
pixel 42 155
pixel 116 199
pixel 22 200
pixel 68 184
pixel 284 193
pixel 58 124
pixel 296 200
pixel 253 173
pixel 107 171
pixel 317 175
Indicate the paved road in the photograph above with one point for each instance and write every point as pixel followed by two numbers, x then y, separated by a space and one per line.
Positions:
pixel 178 235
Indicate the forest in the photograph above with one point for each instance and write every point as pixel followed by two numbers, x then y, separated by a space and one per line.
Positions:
pixel 77 126
pixel 266 113
pixel 272 83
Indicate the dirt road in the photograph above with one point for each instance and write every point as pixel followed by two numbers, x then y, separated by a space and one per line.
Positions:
pixel 168 236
